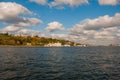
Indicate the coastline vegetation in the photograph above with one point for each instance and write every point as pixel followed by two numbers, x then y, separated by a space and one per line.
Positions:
pixel 13 40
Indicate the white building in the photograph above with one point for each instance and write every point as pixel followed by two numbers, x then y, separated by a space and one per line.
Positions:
pixel 54 44
pixel 66 45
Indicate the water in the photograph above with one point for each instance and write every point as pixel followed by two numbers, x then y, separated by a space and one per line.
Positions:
pixel 73 63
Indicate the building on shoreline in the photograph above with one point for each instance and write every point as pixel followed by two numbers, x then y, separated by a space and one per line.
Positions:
pixel 54 45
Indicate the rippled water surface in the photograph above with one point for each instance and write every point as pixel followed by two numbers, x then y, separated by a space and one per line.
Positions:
pixel 73 63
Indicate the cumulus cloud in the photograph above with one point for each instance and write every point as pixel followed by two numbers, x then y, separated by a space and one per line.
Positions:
pixel 29 22
pixel 104 36
pixel 10 13
pixel 60 3
pixel 31 32
pixel 60 36
pixel 10 29
pixel 68 2
pixel 54 26
pixel 109 2
pixel 103 30
pixel 42 2
pixel 10 10
pixel 28 32
pixel 100 22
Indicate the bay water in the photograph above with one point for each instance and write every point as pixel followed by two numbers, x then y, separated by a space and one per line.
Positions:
pixel 59 63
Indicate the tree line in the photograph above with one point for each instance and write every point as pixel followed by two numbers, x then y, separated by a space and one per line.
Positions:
pixel 9 39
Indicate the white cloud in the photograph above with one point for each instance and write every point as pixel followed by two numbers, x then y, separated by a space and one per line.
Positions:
pixel 10 13
pixel 102 37
pixel 29 22
pixel 10 10
pixel 68 2
pixel 102 30
pixel 54 26
pixel 31 32
pixel 10 29
pixel 109 2
pixel 60 3
pixel 100 22
pixel 103 34
pixel 28 32
pixel 60 36
pixel 42 2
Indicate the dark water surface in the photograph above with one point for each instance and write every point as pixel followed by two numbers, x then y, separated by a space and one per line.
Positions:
pixel 73 63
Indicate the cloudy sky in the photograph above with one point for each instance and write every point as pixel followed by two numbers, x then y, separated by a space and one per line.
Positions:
pixel 84 21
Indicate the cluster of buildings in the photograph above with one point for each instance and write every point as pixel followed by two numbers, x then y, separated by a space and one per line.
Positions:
pixel 56 45
pixel 66 45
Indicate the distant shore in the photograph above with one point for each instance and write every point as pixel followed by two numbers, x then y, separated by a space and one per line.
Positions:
pixel 51 46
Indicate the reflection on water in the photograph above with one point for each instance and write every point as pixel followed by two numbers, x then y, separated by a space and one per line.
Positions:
pixel 73 63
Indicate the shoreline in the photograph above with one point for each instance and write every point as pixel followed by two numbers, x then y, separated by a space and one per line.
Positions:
pixel 51 46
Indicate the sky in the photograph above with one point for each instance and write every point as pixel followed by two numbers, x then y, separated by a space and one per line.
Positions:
pixel 84 21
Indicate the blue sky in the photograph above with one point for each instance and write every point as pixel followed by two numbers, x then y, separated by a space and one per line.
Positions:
pixel 67 19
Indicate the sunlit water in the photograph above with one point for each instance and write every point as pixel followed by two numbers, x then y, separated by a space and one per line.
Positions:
pixel 73 63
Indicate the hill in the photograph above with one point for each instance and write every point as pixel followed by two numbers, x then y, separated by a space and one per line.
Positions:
pixel 8 39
